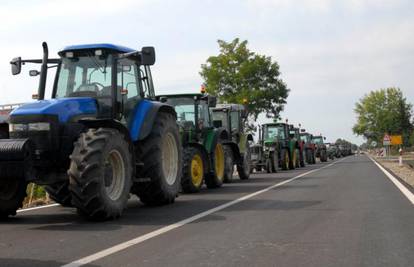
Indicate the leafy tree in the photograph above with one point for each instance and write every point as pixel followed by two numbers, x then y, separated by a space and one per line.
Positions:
pixel 237 74
pixel 383 111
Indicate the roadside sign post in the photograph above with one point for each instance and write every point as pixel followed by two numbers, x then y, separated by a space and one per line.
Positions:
pixel 386 141
pixel 400 161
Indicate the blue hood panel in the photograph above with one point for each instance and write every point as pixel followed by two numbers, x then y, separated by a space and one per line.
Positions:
pixel 64 108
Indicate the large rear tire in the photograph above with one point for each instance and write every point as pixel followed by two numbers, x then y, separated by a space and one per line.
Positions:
pixel 215 178
pixel 12 194
pixel 100 174
pixel 60 193
pixel 309 156
pixel 228 164
pixel 243 169
pixel 161 155
pixel 275 161
pixel 323 156
pixel 268 165
pixel 193 170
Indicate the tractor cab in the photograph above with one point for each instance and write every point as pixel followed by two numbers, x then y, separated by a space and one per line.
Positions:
pixel 306 137
pixel 230 117
pixel 294 132
pixel 101 81
pixel 318 140
pixel 193 113
pixel 274 132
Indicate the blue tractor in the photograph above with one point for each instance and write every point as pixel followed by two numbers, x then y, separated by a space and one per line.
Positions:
pixel 99 138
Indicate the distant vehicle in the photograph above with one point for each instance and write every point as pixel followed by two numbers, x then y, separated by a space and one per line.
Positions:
pixel 309 145
pixel 321 151
pixel 231 117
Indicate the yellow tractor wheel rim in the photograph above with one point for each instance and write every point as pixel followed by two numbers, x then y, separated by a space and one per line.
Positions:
pixel 219 161
pixel 197 171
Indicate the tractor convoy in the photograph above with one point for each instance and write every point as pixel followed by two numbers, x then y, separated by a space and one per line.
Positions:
pixel 103 135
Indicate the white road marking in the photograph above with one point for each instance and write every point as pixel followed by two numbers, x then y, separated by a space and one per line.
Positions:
pixel 38 208
pixel 397 183
pixel 140 239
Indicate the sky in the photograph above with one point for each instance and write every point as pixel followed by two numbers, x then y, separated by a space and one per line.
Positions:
pixel 331 53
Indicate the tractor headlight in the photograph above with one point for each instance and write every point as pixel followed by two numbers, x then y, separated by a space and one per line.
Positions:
pixel 39 126
pixel 17 127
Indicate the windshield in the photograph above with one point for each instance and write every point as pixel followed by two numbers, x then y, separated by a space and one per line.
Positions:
pixel 185 110
pixel 304 138
pixel 272 132
pixel 85 76
pixel 318 140
pixel 220 116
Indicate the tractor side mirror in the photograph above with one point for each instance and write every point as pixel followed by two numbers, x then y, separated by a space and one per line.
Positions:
pixel 148 55
pixel 212 101
pixel 324 138
pixel 34 73
pixel 16 65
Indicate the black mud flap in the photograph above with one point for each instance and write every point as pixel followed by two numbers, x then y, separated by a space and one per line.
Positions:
pixel 16 159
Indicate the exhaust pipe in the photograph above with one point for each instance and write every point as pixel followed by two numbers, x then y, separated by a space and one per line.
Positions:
pixel 43 73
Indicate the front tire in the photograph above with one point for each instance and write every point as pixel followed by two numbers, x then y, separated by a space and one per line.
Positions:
pixel 215 178
pixel 243 169
pixel 12 194
pixel 193 170
pixel 302 160
pixel 285 159
pixel 229 164
pixel 100 174
pixel 161 154
pixel 60 193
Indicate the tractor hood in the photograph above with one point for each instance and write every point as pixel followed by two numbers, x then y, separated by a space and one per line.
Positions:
pixel 63 108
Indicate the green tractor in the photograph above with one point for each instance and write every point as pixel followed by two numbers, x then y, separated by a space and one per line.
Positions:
pixel 99 138
pixel 321 150
pixel 281 149
pixel 237 152
pixel 203 147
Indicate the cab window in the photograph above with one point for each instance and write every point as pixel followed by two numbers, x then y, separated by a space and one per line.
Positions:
pixel 235 122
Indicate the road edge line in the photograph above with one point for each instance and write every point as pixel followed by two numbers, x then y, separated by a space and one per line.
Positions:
pixel 38 208
pixel 404 190
pixel 137 240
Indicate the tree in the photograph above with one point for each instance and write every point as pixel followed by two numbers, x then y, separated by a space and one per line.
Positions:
pixel 237 74
pixel 383 111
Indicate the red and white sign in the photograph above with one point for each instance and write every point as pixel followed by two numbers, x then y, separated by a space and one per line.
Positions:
pixel 386 140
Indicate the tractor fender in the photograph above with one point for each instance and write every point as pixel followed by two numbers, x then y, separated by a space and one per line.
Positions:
pixel 144 114
pixel 213 137
pixel 107 123
pixel 244 139
pixel 206 156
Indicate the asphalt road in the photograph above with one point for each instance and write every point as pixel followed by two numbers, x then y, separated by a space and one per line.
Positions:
pixel 345 213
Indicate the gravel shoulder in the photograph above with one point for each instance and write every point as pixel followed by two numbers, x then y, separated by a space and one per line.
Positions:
pixel 405 172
